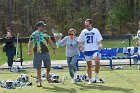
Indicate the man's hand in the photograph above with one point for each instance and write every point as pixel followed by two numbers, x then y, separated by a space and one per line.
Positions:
pixel 52 45
pixel 81 48
pixel 138 42
pixel 100 46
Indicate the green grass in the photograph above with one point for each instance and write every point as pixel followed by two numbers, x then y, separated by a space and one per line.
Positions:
pixel 116 81
pixel 60 52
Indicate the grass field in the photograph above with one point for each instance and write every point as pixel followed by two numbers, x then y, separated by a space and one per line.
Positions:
pixel 116 81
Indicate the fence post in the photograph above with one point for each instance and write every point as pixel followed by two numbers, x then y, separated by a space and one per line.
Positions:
pixel 129 46
pixel 21 51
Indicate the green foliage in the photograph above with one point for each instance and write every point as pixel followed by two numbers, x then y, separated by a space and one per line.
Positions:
pixel 65 14
pixel 118 14
pixel 137 9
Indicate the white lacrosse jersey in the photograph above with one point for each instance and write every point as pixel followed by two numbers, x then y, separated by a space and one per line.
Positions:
pixel 90 39
pixel 138 34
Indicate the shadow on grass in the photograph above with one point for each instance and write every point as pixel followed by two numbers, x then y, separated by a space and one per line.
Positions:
pixel 104 88
pixel 60 89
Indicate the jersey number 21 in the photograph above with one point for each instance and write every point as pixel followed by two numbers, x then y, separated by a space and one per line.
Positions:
pixel 89 39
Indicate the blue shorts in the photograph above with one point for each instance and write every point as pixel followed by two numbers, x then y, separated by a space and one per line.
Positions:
pixel 90 55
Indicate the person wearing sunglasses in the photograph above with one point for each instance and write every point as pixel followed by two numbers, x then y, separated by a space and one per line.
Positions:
pixel 91 38
pixel 9 47
pixel 72 51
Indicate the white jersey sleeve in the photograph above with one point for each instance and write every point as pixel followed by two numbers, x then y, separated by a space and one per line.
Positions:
pixel 138 34
pixel 81 37
pixel 98 36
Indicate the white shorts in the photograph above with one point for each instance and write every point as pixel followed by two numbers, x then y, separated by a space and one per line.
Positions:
pixel 89 56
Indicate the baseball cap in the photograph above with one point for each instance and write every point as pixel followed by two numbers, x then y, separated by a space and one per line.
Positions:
pixel 41 23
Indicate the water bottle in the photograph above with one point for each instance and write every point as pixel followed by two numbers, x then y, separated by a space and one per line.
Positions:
pixel 58 35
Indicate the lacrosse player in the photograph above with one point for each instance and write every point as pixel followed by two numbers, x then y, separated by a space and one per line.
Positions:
pixel 90 42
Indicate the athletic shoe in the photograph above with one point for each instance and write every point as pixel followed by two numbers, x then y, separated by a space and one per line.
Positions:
pixel 97 81
pixel 39 84
pixel 92 80
pixel 89 82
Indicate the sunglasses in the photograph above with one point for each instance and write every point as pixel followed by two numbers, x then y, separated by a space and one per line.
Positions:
pixel 71 34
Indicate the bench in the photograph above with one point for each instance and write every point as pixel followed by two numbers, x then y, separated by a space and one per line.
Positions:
pixel 114 53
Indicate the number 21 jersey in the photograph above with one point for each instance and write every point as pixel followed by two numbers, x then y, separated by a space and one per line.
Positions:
pixel 90 39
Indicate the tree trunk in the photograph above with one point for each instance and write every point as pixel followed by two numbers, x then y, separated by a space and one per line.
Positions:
pixel 10 12
pixel 131 4
pixel 99 16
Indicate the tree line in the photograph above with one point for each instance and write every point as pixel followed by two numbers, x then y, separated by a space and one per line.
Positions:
pixel 111 17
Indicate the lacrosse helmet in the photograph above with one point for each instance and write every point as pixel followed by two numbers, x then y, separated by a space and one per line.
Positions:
pixel 78 77
pixel 23 78
pixel 85 77
pixel 9 84
pixel 53 78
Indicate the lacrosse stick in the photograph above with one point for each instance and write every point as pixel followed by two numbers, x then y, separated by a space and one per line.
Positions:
pixel 17 47
pixel 82 80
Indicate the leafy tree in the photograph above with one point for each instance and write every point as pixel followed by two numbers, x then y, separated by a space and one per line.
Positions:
pixel 118 15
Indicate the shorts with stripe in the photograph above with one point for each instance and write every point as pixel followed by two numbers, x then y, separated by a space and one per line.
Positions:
pixel 90 55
